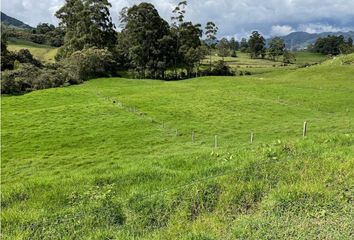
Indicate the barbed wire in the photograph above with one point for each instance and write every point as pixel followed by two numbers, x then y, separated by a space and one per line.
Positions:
pixel 136 111
pixel 60 219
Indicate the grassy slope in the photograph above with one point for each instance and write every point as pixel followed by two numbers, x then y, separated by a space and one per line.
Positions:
pixel 76 164
pixel 243 62
pixel 42 52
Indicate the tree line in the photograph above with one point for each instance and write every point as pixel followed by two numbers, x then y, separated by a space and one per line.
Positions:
pixel 44 33
pixel 257 48
pixel 333 45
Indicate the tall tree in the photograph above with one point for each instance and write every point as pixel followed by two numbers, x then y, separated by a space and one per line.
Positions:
pixel 87 24
pixel 177 20
pixel 330 45
pixel 147 38
pixel 179 13
pixel 288 57
pixel 223 48
pixel 256 45
pixel 276 48
pixel 44 28
pixel 187 39
pixel 190 43
pixel 210 31
pixel 244 45
pixel 234 45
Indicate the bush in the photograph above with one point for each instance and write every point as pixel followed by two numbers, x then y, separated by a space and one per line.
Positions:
pixel 55 38
pixel 29 77
pixel 234 54
pixel 90 63
pixel 31 74
pixel 18 81
pixel 221 69
pixel 7 60
pixel 37 38
pixel 25 56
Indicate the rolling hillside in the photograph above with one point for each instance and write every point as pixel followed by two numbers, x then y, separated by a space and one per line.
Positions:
pixel 114 158
pixel 301 40
pixel 43 52
pixel 13 22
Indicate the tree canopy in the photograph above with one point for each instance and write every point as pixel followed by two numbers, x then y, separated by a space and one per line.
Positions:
pixel 256 45
pixel 87 24
pixel 333 45
pixel 276 47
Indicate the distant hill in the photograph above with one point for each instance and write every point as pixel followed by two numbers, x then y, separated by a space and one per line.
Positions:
pixel 13 22
pixel 301 40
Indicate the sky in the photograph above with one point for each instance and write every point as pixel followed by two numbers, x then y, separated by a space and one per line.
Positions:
pixel 235 18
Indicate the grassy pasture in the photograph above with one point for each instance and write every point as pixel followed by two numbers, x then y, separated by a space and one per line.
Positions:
pixel 44 53
pixel 78 164
pixel 244 63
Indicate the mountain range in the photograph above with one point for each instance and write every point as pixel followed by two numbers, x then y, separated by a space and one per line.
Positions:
pixel 300 40
pixel 13 22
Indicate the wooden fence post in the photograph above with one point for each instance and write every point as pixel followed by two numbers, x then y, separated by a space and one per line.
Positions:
pixel 252 136
pixel 216 141
pixel 304 132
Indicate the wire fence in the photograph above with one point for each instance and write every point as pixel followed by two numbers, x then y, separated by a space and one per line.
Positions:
pixel 69 217
pixel 177 131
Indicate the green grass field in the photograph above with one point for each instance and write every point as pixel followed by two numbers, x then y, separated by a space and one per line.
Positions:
pixel 114 158
pixel 244 63
pixel 42 52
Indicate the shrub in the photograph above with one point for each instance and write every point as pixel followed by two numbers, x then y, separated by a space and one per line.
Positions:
pixel 90 63
pixel 55 38
pixel 25 56
pixel 221 69
pixel 7 60
pixel 37 38
pixel 19 80
pixel 31 74
pixel 28 77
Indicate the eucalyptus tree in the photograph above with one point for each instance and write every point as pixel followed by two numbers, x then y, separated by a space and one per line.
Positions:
pixel 87 23
pixel 223 48
pixel 256 44
pixel 244 45
pixel 234 45
pixel 276 48
pixel 190 45
pixel 148 39
pixel 177 19
pixel 188 51
pixel 210 31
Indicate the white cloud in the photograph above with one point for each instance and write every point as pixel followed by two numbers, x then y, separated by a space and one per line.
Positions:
pixel 281 30
pixel 234 18
pixel 318 28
